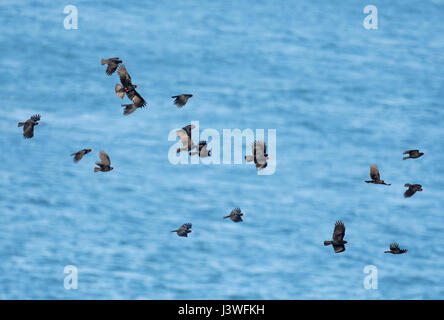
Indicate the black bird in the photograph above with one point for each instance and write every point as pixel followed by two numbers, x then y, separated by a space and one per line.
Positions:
pixel 374 175
pixel 413 154
pixel 203 151
pixel 105 164
pixel 235 215
pixel 28 126
pixel 394 249
pixel 338 237
pixel 130 90
pixel 412 188
pixel 183 230
pixel 184 135
pixel 259 156
pixel 79 154
pixel 181 100
pixel 113 63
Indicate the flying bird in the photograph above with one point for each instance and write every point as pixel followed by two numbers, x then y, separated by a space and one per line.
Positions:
pixel 374 175
pixel 183 230
pixel 235 215
pixel 412 188
pixel 129 89
pixel 79 154
pixel 28 126
pixel 113 63
pixel 259 156
pixel 338 237
pixel 105 164
pixel 203 151
pixel 181 100
pixel 184 135
pixel 394 249
pixel 413 154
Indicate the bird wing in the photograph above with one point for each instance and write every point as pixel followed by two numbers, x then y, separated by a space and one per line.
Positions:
pixel 188 129
pixel 259 149
pixel 129 108
pixel 394 246
pixel 112 67
pixel 236 211
pixel 125 78
pixel 105 158
pixel 35 118
pixel 180 101
pixel 28 129
pixel 187 226
pixel 136 98
pixel 374 172
pixel 79 155
pixel 339 231
pixel 339 248
pixel 410 151
pixel 409 192
pixel 202 145
pixel 183 136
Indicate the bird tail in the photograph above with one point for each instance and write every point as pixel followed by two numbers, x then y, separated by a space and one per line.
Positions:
pixel 174 230
pixel 249 158
pixel 20 124
pixel 96 169
pixel 326 243
pixel 369 181
pixel 226 217
pixel 175 97
pixel 387 251
pixel 103 61
pixel 119 91
pixel 405 158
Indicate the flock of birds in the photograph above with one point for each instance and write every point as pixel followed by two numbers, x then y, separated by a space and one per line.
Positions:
pixel 259 150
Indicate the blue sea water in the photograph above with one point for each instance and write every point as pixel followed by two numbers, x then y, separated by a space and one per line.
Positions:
pixel 339 96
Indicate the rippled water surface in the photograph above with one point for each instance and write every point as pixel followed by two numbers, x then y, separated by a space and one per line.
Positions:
pixel 339 96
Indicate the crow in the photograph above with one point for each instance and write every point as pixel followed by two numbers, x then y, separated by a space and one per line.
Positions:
pixel 113 63
pixel 79 155
pixel 203 151
pixel 338 236
pixel 412 188
pixel 259 156
pixel 374 175
pixel 28 126
pixel 183 230
pixel 181 100
pixel 105 164
pixel 184 135
pixel 130 90
pixel 394 249
pixel 413 154
pixel 235 215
